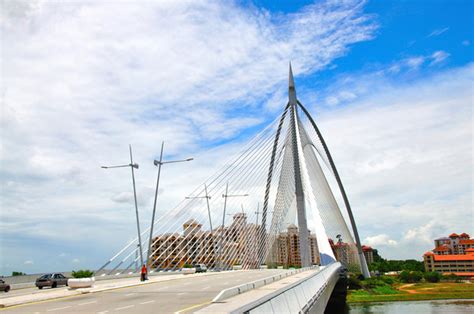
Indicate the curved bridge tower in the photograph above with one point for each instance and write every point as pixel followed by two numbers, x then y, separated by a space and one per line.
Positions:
pixel 294 143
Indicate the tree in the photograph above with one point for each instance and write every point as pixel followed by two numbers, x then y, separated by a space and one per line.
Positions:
pixel 17 273
pixel 432 276
pixel 410 276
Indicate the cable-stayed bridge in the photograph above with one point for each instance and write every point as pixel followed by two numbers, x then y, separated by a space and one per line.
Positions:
pixel 273 205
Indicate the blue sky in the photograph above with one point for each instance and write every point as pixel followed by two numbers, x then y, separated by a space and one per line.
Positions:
pixel 389 82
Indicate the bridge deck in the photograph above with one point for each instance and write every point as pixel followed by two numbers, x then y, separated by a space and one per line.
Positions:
pixel 163 297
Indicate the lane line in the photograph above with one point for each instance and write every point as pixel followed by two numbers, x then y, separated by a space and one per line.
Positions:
pixel 130 294
pixel 161 289
pixel 124 307
pixel 147 302
pixel 103 312
pixel 59 308
pixel 87 303
pixel 181 293
pixel 192 307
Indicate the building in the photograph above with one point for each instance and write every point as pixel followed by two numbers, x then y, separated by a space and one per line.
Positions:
pixel 454 244
pixel 286 249
pixel 453 254
pixel 368 254
pixel 223 247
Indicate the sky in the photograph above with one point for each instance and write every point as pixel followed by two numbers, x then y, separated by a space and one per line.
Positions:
pixel 390 84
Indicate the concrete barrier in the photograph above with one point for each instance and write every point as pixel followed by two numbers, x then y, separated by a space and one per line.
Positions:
pixel 230 292
pixel 309 293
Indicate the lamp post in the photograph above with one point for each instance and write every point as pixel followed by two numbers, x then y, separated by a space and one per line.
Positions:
pixel 132 166
pixel 158 163
pixel 225 196
pixel 207 197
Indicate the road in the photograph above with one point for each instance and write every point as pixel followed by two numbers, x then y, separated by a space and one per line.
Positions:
pixel 179 295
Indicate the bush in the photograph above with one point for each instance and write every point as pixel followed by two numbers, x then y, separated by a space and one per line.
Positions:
pixel 452 277
pixel 353 283
pixel 388 280
pixel 413 276
pixel 83 273
pixel 432 276
pixel 17 273
pixel 187 266
pixel 416 276
pixel 371 283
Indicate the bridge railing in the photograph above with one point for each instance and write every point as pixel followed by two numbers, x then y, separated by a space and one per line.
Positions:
pixel 307 293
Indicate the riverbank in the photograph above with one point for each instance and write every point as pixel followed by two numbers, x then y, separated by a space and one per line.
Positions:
pixel 413 292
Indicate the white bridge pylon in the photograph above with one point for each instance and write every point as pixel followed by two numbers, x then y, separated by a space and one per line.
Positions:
pixel 279 196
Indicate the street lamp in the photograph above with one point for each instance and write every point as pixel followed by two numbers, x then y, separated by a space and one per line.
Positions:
pixel 207 197
pixel 158 163
pixel 225 196
pixel 132 166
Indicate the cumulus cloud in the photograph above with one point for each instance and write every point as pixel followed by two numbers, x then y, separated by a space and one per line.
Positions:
pixel 404 152
pixel 379 240
pixel 81 81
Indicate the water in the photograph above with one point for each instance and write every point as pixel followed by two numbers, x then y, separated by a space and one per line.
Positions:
pixel 435 306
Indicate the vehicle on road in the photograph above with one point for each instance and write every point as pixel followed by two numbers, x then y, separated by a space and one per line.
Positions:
pixel 51 280
pixel 200 268
pixel 4 286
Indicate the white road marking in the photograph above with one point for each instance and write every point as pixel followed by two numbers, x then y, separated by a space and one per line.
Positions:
pixel 124 307
pixel 164 288
pixel 103 312
pixel 59 308
pixel 87 303
pixel 205 288
pixel 148 302
pixel 181 293
pixel 130 294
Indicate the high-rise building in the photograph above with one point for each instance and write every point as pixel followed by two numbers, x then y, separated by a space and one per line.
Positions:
pixel 286 249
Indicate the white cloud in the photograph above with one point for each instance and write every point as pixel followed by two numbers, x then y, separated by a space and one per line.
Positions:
pixel 28 262
pixel 76 261
pixel 438 32
pixel 404 152
pixel 415 62
pixel 379 240
pixel 81 81
pixel 439 56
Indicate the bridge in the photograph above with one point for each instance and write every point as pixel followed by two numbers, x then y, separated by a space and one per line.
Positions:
pixel 269 217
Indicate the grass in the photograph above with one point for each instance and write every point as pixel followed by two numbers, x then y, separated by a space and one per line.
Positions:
pixel 413 292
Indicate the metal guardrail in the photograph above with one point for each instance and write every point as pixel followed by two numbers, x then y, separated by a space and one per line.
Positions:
pixel 230 292
pixel 299 297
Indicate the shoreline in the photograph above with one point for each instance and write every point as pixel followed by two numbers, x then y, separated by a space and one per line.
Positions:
pixel 381 300
pixel 413 292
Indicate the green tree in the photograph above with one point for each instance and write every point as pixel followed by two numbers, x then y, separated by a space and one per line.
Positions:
pixel 432 276
pixel 17 273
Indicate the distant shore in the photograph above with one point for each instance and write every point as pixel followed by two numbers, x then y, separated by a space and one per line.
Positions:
pixel 414 292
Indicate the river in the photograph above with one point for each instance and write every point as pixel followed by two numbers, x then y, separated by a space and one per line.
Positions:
pixel 431 307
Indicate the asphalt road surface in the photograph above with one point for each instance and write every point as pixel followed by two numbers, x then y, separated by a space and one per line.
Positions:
pixel 179 295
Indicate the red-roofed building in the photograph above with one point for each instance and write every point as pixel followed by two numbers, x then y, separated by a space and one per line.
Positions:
pixel 368 253
pixel 455 243
pixel 452 255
